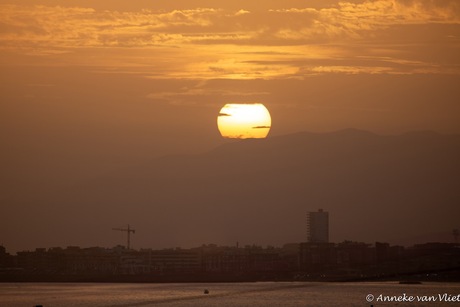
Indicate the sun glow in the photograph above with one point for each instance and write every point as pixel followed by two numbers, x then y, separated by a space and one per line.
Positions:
pixel 244 121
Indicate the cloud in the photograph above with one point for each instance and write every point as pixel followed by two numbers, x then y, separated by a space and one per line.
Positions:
pixel 206 43
pixel 355 20
pixel 75 26
pixel 242 12
pixel 351 69
pixel 200 92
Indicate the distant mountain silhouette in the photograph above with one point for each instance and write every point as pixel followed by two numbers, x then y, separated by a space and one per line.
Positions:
pixel 257 191
pixel 375 187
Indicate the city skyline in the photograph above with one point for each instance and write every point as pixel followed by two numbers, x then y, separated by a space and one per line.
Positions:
pixel 305 261
pixel 317 225
pixel 109 116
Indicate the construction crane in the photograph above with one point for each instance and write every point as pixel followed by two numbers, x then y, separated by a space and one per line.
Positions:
pixel 128 231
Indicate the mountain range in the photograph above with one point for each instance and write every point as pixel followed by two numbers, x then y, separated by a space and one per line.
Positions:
pixel 257 191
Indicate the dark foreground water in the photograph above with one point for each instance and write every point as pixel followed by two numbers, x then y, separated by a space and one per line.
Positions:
pixel 229 294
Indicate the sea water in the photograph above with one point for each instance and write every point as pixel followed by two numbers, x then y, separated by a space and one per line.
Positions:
pixel 229 294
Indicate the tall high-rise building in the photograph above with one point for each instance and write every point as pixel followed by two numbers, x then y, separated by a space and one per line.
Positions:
pixel 318 226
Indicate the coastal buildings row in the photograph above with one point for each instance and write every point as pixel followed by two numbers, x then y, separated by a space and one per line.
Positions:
pixel 299 261
pixel 316 258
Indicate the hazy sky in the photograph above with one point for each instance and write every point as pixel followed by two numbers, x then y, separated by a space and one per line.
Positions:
pixel 86 86
pixel 386 65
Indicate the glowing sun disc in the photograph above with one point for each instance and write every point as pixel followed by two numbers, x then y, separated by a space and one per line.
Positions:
pixel 244 121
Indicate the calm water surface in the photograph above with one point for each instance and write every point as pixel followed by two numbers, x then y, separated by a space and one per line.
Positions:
pixel 221 294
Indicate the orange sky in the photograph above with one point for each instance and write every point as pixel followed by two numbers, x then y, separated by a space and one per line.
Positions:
pixel 87 86
pixel 386 65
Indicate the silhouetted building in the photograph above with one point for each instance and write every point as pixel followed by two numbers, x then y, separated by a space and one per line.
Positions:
pixel 314 257
pixel 350 254
pixel 250 259
pixel 6 260
pixel 171 260
pixel 296 261
pixel 318 227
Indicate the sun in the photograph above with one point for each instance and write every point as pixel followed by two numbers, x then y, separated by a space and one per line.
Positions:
pixel 244 121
